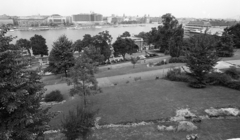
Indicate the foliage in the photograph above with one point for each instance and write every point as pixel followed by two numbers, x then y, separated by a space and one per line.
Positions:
pixel 176 41
pixel 145 36
pixel 82 77
pixel 54 96
pixel 216 78
pixel 234 31
pixel 94 54
pixel 24 43
pixel 176 75
pixel 39 46
pixel 78 123
pixel 126 34
pixel 233 72
pixel 61 56
pixel 102 41
pixel 124 46
pixel 181 59
pixel 201 57
pixel 234 85
pixel 225 46
pixel 134 60
pixel 20 92
pixel 78 45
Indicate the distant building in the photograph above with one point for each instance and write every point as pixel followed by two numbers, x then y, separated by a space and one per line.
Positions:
pixel 196 27
pixel 6 20
pixel 92 18
pixel 57 19
pixel 32 21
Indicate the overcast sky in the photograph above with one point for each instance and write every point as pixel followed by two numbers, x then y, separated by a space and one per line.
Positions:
pixel 179 8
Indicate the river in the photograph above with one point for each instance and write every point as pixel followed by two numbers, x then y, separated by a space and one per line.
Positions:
pixel 52 35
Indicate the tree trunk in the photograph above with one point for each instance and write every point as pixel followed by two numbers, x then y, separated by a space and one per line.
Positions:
pixel 123 55
pixel 41 55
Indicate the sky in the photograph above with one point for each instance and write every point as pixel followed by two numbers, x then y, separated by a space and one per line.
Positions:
pixel 178 8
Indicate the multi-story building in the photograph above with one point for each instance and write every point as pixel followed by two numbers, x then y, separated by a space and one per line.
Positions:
pixel 195 27
pixel 32 21
pixel 57 19
pixel 6 20
pixel 90 19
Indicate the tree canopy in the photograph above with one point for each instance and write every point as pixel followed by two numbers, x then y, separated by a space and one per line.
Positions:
pixel 124 46
pixel 235 32
pixel 126 34
pixel 24 43
pixel 61 56
pixel 39 46
pixel 201 57
pixel 20 92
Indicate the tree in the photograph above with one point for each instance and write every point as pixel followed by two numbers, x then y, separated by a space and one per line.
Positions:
pixel 176 42
pixel 87 40
pixel 39 46
pixel 126 34
pixel 235 32
pixel 78 45
pixel 94 54
pixel 201 57
pixel 123 46
pixel 170 25
pixel 134 60
pixel 21 115
pixel 83 79
pixel 102 41
pixel 225 46
pixel 24 43
pixel 61 56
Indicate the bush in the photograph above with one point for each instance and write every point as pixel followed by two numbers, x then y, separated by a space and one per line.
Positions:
pixel 233 72
pixel 216 78
pixel 177 75
pixel 78 123
pixel 180 59
pixel 197 84
pixel 54 96
pixel 233 85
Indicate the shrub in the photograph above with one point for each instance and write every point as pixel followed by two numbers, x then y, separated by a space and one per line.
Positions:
pixel 180 59
pixel 234 85
pixel 197 84
pixel 177 75
pixel 233 72
pixel 216 78
pixel 78 123
pixel 54 96
pixel 167 52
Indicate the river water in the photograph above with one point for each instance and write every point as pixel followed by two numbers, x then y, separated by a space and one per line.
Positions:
pixel 52 35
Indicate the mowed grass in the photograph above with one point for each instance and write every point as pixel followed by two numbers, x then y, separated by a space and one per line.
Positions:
pixel 151 100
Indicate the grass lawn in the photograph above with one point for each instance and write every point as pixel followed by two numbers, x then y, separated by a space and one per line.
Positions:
pixel 151 100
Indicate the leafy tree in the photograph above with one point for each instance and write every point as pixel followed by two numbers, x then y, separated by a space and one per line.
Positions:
pixel 134 61
pixel 87 40
pixel 21 91
pixel 126 34
pixel 225 46
pixel 102 41
pixel 94 54
pixel 176 42
pixel 235 32
pixel 201 57
pixel 61 56
pixel 78 45
pixel 170 28
pixel 24 43
pixel 82 78
pixel 123 46
pixel 39 46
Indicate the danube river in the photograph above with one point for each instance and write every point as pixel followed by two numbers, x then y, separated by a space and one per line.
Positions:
pixel 52 35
